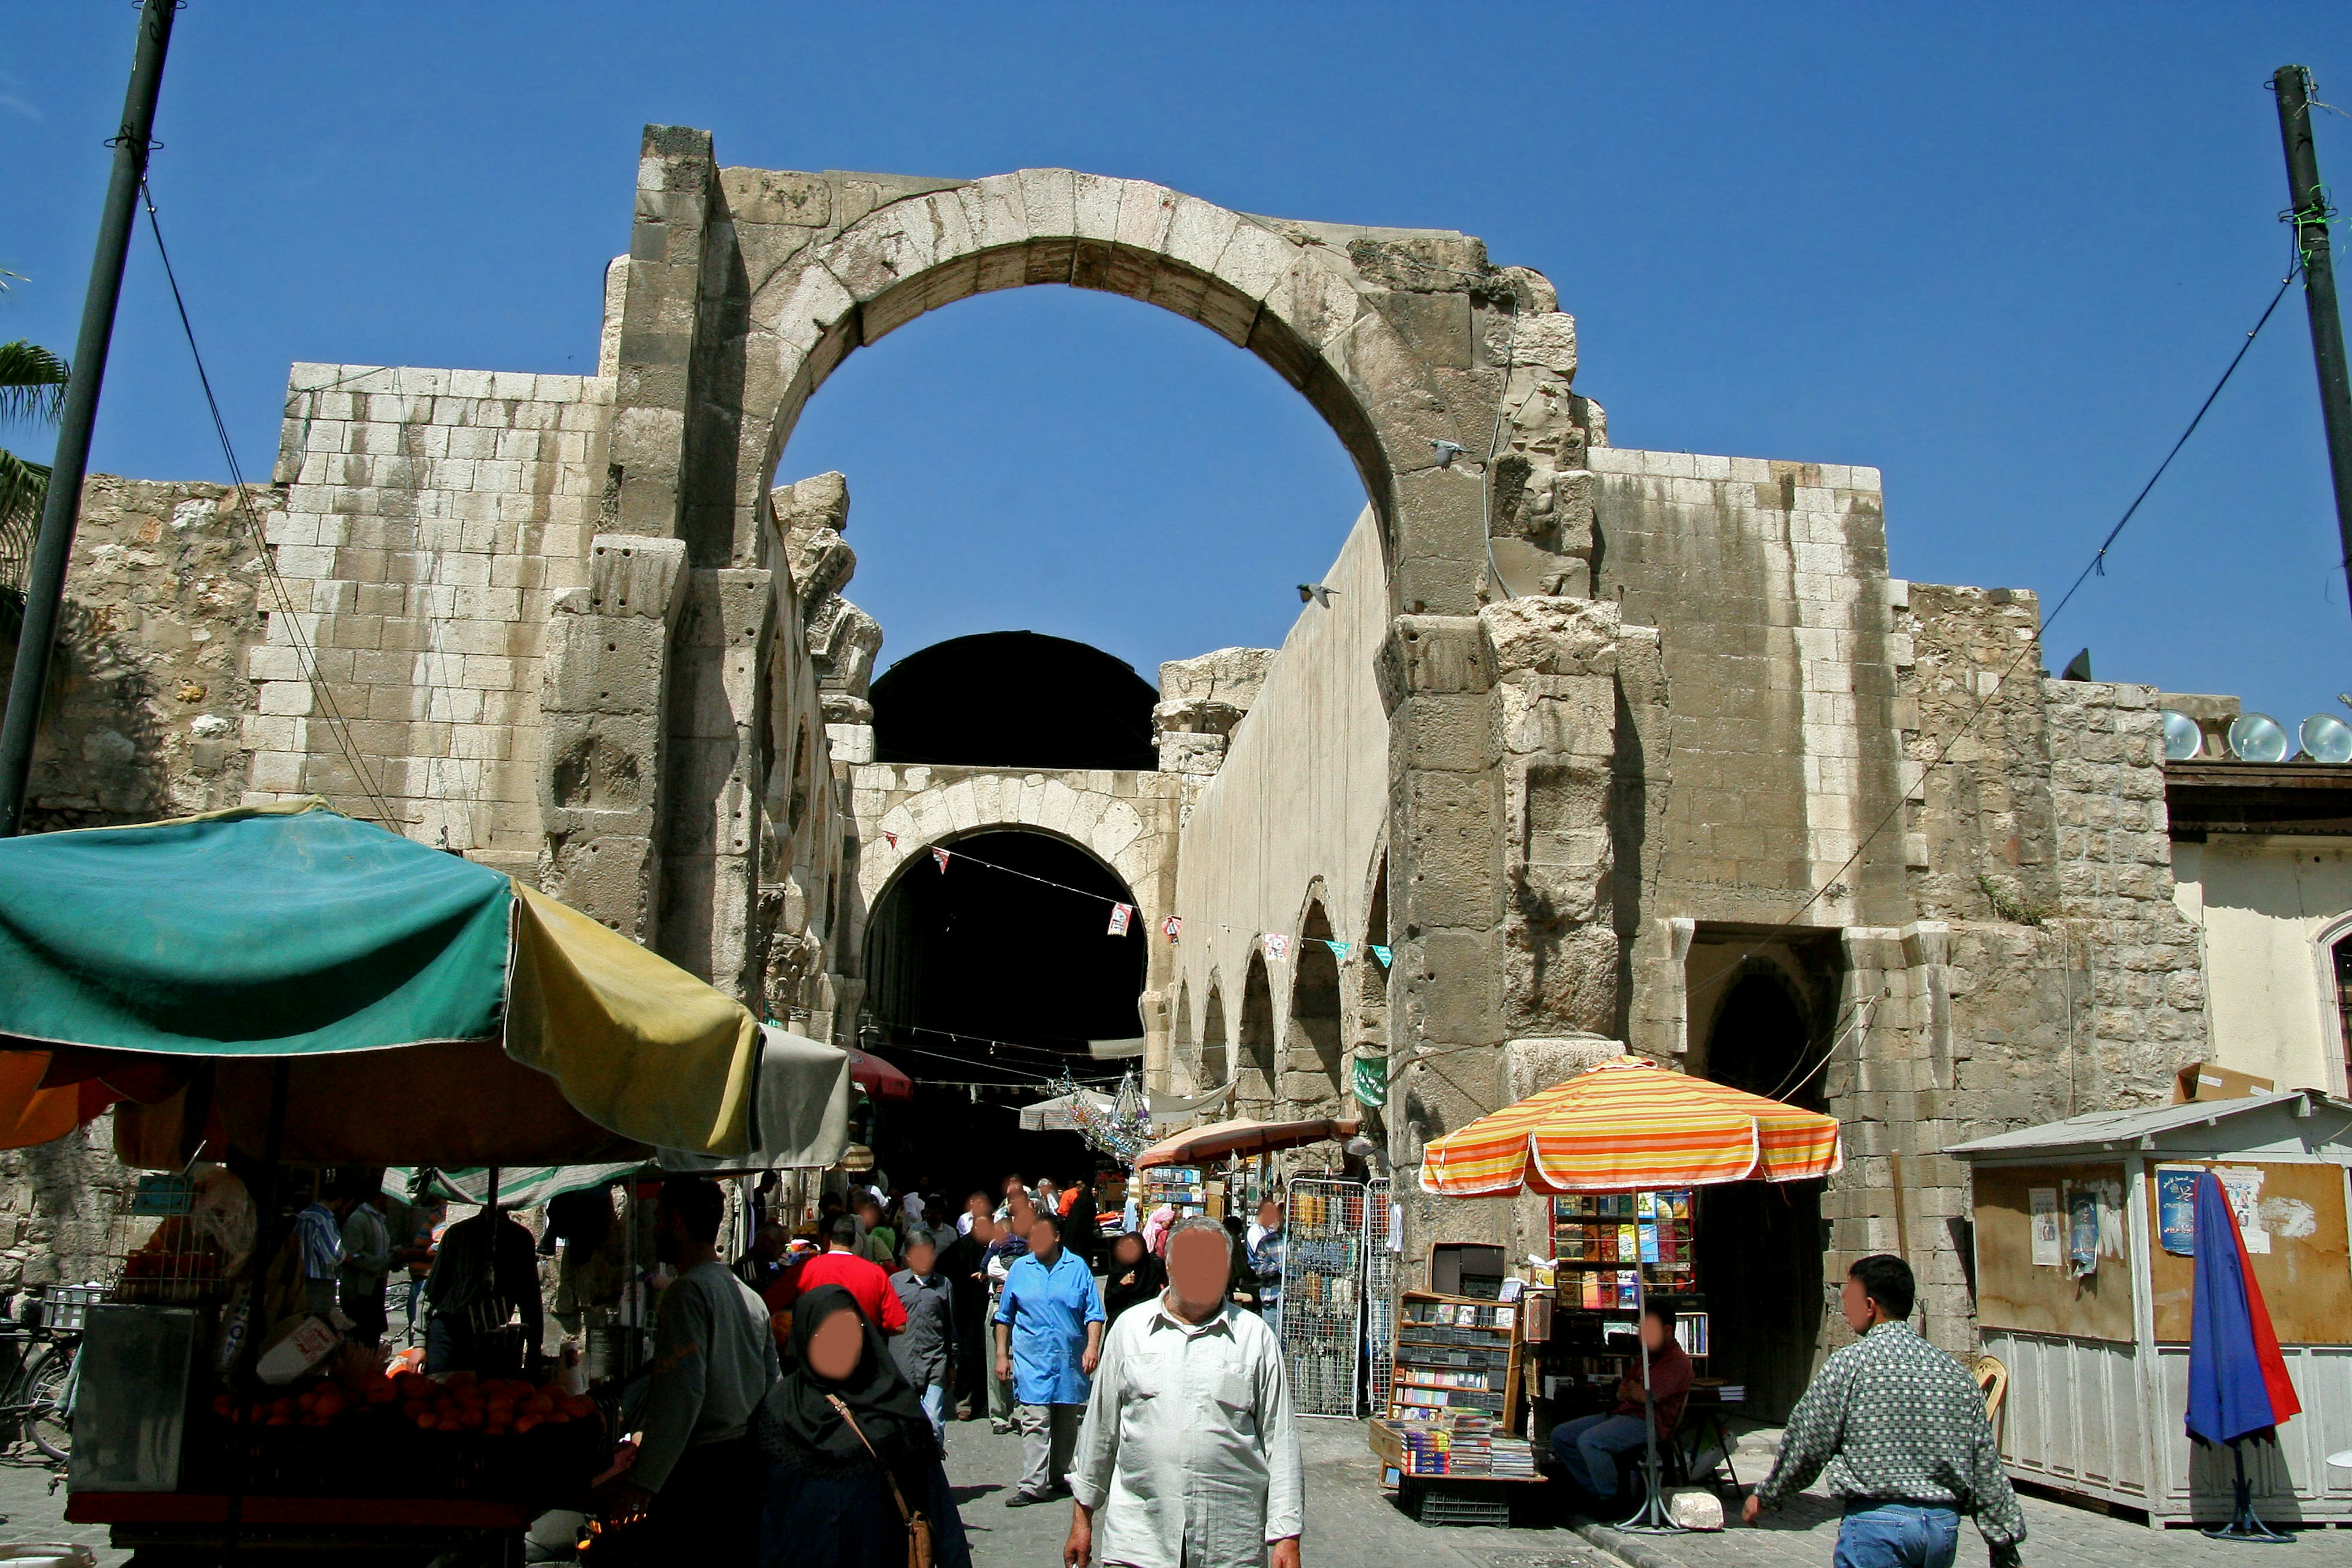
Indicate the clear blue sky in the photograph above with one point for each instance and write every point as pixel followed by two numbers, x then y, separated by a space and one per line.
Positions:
pixel 1999 252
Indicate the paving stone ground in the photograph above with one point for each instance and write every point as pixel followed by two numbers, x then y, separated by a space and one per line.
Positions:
pixel 1351 1523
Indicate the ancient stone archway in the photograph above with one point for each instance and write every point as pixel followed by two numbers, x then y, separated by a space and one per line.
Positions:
pixel 1215 1062
pixel 1253 1058
pixel 1313 1074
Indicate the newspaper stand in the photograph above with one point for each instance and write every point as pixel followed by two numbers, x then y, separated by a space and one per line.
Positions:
pixel 1449 1437
pixel 2084 1246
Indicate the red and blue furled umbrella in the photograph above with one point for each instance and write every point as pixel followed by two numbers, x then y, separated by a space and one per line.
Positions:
pixel 2237 1383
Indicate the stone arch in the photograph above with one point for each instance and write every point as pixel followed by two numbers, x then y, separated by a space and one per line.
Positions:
pixel 1304 297
pixel 1253 1059
pixel 1215 1059
pixel 1112 831
pixel 1366 978
pixel 1313 1066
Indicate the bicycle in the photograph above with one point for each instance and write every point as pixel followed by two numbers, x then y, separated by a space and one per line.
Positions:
pixel 39 1393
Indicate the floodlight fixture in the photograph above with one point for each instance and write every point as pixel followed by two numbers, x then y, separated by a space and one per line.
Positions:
pixel 2183 737
pixel 2258 738
pixel 2326 739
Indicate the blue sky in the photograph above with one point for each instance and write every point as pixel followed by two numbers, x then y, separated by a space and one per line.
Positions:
pixel 1999 252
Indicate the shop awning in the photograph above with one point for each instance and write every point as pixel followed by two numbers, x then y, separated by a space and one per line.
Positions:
pixel 524 1187
pixel 427 1009
pixel 878 1078
pixel 1624 1125
pixel 1219 1139
pixel 1061 1113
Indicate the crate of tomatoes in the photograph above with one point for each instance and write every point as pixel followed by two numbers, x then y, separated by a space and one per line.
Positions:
pixel 360 1431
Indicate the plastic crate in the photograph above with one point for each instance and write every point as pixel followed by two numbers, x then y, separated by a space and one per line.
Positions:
pixel 66 1308
pixel 1434 1502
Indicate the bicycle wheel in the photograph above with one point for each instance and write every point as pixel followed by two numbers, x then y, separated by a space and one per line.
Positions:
pixel 48 1417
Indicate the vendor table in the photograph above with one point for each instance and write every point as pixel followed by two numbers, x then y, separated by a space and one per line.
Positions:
pixel 353 1524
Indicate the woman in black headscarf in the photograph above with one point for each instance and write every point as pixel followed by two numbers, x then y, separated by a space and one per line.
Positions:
pixel 1132 1276
pixel 838 1434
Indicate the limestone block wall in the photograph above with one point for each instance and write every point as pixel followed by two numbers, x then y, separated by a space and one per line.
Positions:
pixel 1766 582
pixel 1292 822
pixel 431 520
pixel 149 692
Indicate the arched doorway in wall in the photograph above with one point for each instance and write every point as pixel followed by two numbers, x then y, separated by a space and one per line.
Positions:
pixel 1014 699
pixel 1253 1041
pixel 1314 1071
pixel 992 973
pixel 1759 1244
pixel 1216 1061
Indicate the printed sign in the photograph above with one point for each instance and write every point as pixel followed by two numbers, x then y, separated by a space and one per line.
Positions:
pixel 2049 1248
pixel 1119 915
pixel 2176 1208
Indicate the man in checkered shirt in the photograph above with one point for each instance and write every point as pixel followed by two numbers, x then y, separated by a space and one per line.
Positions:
pixel 1901 1426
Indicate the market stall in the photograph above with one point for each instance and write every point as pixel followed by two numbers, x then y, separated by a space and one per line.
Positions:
pixel 264 993
pixel 2084 1267
pixel 1618 1148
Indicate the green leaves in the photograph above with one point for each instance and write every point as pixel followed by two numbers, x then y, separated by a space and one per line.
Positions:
pixel 32 382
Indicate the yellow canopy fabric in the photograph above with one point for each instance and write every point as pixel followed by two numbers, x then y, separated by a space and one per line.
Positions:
pixel 637 1044
pixel 1625 1125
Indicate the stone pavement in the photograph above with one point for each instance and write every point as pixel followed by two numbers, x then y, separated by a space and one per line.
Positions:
pixel 29 1511
pixel 2057 1535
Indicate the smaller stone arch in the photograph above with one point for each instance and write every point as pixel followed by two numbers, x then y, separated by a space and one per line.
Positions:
pixel 1215 1059
pixel 1254 1039
pixel 1110 830
pixel 1314 1077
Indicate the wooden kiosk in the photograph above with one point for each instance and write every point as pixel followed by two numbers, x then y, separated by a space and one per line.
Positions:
pixel 2084 1248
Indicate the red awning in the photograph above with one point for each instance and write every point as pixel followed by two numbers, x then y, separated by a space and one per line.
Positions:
pixel 878 1077
pixel 1221 1138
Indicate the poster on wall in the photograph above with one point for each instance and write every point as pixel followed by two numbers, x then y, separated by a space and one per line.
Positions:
pixel 2082 1230
pixel 2049 1248
pixel 2242 1185
pixel 2176 1208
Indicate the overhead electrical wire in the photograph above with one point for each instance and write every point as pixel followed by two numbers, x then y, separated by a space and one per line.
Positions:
pixel 306 655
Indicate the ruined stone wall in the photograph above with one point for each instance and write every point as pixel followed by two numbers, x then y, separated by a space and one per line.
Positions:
pixel 1292 823
pixel 432 518
pixel 164 597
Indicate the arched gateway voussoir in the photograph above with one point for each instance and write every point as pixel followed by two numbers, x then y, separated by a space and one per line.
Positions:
pixel 1290 293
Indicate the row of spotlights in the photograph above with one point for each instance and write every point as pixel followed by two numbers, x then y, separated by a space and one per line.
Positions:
pixel 2258 738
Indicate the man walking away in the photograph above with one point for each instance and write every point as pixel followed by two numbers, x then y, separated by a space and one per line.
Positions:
pixel 319 1239
pixel 1189 1453
pixel 367 1259
pixel 1901 1427
pixel 1049 1330
pixel 925 1352
pixel 1587 1448
pixel 1009 1247
pixel 963 1261
pixel 841 1264
pixel 1266 1264
pixel 699 1472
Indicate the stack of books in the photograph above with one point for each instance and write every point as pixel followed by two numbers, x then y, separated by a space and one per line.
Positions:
pixel 1512 1458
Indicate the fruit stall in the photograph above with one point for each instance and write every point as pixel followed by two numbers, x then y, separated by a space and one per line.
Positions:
pixel 268 1001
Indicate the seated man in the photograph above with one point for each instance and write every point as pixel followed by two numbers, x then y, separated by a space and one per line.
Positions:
pixel 1588 1447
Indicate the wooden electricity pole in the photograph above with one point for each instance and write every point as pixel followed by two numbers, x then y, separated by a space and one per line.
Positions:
pixel 2308 211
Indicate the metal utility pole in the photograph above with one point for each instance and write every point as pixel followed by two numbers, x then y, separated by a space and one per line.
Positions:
pixel 44 584
pixel 2309 213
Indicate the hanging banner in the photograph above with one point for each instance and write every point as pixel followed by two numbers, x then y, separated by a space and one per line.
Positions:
pixel 1382 954
pixel 1369 1078
pixel 1119 915
pixel 1172 927
pixel 1338 949
pixel 1277 946
pixel 941 856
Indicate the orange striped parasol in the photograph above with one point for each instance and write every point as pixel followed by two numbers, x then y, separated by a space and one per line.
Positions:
pixel 1626 1125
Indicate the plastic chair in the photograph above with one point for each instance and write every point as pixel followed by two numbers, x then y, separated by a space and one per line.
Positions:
pixel 1992 1376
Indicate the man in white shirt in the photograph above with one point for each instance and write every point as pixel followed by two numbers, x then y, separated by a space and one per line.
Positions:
pixel 1188 1452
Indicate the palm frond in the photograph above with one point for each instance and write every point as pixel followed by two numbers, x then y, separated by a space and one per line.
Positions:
pixel 32 382
pixel 24 485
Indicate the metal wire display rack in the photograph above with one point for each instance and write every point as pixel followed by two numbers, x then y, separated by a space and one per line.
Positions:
pixel 1379 1295
pixel 1322 1293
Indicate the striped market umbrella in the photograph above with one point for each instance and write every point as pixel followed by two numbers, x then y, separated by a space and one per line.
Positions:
pixel 1626 1125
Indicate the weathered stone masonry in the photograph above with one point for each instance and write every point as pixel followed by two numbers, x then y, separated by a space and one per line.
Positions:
pixel 1615 726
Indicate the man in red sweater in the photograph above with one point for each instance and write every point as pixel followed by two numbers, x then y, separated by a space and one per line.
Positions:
pixel 838 1265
